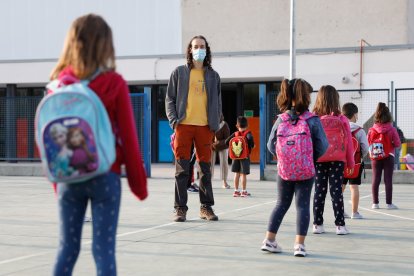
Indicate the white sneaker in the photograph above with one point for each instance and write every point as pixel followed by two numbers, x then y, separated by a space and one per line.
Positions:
pixel 356 215
pixel 341 230
pixel 318 229
pixel 346 215
pixel 300 250
pixel 271 246
pixel 375 206
pixel 391 206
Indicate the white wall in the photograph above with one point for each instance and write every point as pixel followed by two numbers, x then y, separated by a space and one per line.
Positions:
pixel 251 25
pixel 36 29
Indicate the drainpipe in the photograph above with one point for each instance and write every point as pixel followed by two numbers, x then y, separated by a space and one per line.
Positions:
pixel 361 51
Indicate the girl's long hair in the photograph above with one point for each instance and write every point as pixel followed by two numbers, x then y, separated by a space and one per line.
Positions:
pixel 88 46
pixel 382 114
pixel 297 90
pixel 189 55
pixel 327 101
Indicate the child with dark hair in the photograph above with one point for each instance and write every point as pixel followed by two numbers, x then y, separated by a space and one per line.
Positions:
pixel 299 153
pixel 330 166
pixel 383 126
pixel 241 167
pixel 350 110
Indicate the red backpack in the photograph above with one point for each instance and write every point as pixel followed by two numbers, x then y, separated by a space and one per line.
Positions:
pixel 357 157
pixel 335 133
pixel 380 144
pixel 238 146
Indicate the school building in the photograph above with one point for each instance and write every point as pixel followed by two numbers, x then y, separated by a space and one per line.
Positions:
pixel 363 48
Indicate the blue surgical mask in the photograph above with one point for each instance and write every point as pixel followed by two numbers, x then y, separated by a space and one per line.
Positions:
pixel 199 54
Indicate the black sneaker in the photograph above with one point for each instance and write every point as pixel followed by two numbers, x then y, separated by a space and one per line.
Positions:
pixel 180 214
pixel 207 213
pixel 193 188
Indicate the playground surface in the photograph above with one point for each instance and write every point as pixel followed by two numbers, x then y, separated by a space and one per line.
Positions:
pixel 150 243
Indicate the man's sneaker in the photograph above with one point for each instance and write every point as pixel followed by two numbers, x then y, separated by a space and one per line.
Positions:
pixel 346 215
pixel 180 214
pixel 341 230
pixel 245 194
pixel 375 206
pixel 236 194
pixel 356 215
pixel 300 250
pixel 318 229
pixel 207 213
pixel 391 206
pixel 193 188
pixel 271 246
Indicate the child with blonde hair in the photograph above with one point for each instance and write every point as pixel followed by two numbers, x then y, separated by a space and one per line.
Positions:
pixel 89 53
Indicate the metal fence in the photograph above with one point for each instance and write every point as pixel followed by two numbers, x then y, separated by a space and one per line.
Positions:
pixel 400 102
pixel 17 115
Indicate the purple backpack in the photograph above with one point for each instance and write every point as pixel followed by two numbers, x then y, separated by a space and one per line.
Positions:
pixel 294 149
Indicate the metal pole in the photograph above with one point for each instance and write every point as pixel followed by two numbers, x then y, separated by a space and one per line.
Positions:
pixel 292 73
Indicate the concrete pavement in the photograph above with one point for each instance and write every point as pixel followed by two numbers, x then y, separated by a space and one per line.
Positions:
pixel 150 243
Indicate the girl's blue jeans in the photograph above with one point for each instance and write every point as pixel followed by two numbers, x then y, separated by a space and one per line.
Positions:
pixel 104 193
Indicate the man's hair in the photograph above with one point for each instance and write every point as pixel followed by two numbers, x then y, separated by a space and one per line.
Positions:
pixel 88 47
pixel 207 60
pixel 349 110
pixel 382 114
pixel 241 122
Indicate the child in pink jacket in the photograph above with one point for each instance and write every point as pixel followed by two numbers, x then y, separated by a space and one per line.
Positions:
pixel 383 124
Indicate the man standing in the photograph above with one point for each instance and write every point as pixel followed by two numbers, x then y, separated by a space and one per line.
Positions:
pixel 193 107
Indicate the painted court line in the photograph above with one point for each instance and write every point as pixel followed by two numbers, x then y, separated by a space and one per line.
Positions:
pixel 382 213
pixel 136 232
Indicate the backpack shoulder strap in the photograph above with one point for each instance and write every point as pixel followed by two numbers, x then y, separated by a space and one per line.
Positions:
pixel 356 131
pixel 53 85
pixel 306 115
pixel 284 116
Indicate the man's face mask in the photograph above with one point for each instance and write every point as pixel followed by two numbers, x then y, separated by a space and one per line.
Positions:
pixel 199 54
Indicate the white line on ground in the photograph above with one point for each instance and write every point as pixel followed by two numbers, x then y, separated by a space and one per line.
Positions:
pixel 379 212
pixel 22 258
pixel 136 232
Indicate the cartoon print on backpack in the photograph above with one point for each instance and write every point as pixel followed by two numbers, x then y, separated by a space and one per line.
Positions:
pixel 70 148
pixel 58 153
pixel 239 148
pixel 84 158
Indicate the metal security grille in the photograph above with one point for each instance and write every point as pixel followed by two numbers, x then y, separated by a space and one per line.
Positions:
pixel 403 111
pixel 17 115
pixel 400 103
pixel 138 105
pixel 17 128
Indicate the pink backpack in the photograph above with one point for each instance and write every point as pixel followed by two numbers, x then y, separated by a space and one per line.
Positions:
pixel 335 132
pixel 294 149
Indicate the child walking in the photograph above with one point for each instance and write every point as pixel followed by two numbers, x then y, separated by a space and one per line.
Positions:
pixel 241 167
pixel 350 110
pixel 382 139
pixel 330 166
pixel 296 154
pixel 89 49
